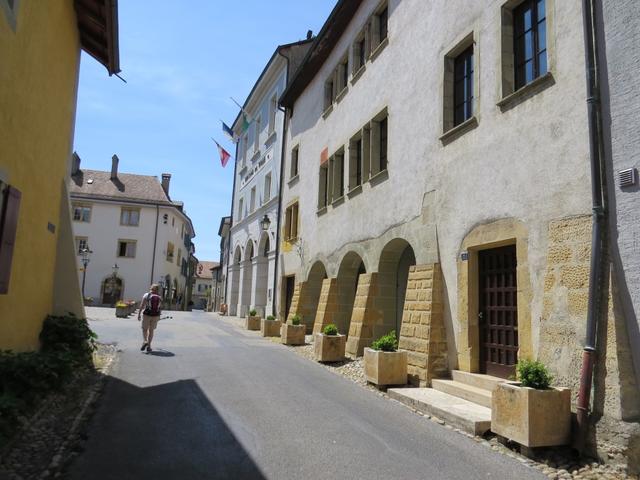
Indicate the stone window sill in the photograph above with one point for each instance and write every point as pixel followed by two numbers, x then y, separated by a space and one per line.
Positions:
pixel 459 130
pixel 354 191
pixel 321 211
pixel 293 180
pixel 338 201
pixel 270 138
pixel 379 177
pixel 379 48
pixel 529 90
pixel 356 75
pixel 342 94
pixel 327 111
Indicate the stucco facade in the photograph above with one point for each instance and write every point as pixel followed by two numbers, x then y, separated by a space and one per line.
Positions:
pixel 40 51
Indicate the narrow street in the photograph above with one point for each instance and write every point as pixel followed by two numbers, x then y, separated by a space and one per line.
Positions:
pixel 214 401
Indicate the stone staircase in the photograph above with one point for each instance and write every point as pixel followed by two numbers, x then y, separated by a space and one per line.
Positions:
pixel 464 401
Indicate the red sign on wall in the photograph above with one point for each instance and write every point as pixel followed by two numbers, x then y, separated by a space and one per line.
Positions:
pixel 324 156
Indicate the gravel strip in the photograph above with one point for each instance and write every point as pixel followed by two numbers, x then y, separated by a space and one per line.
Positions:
pixel 555 463
pixel 48 440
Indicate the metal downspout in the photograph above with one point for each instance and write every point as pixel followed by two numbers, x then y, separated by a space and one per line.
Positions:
pixel 230 255
pixel 599 216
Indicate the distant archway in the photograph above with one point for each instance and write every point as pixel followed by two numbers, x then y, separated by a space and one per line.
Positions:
pixel 309 301
pixel 247 279
pixel 347 283
pixel 112 288
pixel 262 274
pixel 234 272
pixel 393 273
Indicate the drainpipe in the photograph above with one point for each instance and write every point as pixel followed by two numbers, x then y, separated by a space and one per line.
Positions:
pixel 155 241
pixel 599 216
pixel 280 188
pixel 230 255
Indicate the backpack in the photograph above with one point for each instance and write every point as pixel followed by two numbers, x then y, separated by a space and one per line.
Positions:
pixel 153 305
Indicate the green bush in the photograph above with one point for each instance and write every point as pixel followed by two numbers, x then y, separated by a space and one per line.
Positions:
pixel 271 318
pixel 330 329
pixel 386 343
pixel 253 312
pixel 71 335
pixel 295 320
pixel 533 374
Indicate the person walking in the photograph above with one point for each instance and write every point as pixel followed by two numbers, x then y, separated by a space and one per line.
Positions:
pixel 150 310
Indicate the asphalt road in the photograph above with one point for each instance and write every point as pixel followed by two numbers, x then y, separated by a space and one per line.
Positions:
pixel 215 401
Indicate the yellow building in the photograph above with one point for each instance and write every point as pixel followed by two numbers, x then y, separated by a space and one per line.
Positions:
pixel 40 44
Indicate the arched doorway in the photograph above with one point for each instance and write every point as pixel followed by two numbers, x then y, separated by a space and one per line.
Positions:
pixel 262 274
pixel 347 283
pixel 247 279
pixel 111 290
pixel 234 294
pixel 311 295
pixel 393 273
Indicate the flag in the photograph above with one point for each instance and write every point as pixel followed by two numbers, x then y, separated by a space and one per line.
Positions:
pixel 224 155
pixel 246 118
pixel 227 130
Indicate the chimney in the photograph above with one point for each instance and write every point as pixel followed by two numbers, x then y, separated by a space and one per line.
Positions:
pixel 114 167
pixel 166 179
pixel 309 34
pixel 75 164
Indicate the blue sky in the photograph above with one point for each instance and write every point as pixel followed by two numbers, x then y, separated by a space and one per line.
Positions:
pixel 181 66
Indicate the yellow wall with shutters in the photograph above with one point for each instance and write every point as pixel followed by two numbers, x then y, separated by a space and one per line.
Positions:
pixel 39 63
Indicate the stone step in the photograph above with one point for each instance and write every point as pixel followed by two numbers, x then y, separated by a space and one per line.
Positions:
pixel 464 391
pixel 455 411
pixel 488 382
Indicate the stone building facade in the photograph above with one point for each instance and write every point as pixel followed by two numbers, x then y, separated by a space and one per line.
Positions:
pixel 259 129
pixel 441 190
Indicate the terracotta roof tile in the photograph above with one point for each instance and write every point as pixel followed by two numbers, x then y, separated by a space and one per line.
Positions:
pixel 98 184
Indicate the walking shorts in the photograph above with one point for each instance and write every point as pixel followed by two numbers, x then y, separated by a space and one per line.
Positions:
pixel 149 322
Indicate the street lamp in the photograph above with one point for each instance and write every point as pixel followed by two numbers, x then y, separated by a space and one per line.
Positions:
pixel 114 284
pixel 86 258
pixel 265 222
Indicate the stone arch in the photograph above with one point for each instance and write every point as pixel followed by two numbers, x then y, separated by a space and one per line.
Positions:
pixel 262 274
pixel 499 233
pixel 234 281
pixel 112 290
pixel 247 278
pixel 351 267
pixel 396 258
pixel 309 294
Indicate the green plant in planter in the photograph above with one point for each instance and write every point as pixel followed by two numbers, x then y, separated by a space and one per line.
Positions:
pixel 386 343
pixel 271 318
pixel 295 320
pixel 533 374
pixel 330 329
pixel 253 312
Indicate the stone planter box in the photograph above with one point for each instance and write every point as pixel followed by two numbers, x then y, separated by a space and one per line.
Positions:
pixel 533 418
pixel 252 323
pixel 385 368
pixel 329 348
pixel 270 328
pixel 293 334
pixel 122 312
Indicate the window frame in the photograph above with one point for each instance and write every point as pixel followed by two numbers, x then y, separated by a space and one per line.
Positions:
pixel 295 162
pixel 273 110
pixel 170 252
pixel 78 241
pixel 517 14
pixel 464 61
pixel 129 210
pixel 266 192
pixel 82 207
pixel 127 243
pixel 376 142
pixel 291 227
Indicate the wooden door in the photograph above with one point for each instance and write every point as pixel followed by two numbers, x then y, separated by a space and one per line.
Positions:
pixel 498 311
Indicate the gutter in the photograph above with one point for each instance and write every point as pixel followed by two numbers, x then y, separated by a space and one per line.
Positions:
pixel 597 288
pixel 230 255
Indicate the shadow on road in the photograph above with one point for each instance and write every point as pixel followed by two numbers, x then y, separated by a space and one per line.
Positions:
pixel 168 431
pixel 161 353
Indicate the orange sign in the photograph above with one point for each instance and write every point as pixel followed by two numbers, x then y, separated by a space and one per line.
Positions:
pixel 324 156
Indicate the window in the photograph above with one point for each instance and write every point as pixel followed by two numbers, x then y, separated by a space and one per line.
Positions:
pixel 380 27
pixel 329 91
pixel 245 149
pixel 295 153
pixel 179 259
pixel 256 134
pixel 323 190
pixel 530 41
pixel 82 243
pixel 336 167
pixel 360 52
pixel 267 188
pixel 10 202
pixel 130 217
pixel 240 208
pixel 82 213
pixel 273 108
pixel 356 160
pixel 463 87
pixel 127 248
pixel 170 249
pixel 343 74
pixel 291 222
pixel 379 127
pixel 252 203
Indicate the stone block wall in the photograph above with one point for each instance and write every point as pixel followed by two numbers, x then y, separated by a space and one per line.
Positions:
pixel 423 332
pixel 327 305
pixel 364 316
pixel 302 304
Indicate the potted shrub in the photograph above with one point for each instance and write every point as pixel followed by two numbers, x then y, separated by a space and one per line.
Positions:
pixel 384 364
pixel 293 332
pixel 530 411
pixel 329 345
pixel 88 301
pixel 270 327
pixel 122 309
pixel 252 322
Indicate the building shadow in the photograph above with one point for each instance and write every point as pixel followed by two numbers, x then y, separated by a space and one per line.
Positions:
pixel 169 431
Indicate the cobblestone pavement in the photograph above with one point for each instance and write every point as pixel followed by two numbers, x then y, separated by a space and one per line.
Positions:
pixel 557 463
